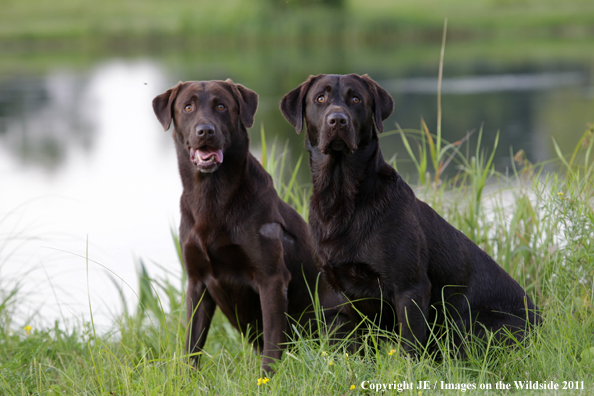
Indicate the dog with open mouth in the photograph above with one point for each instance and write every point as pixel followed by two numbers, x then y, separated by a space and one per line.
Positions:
pixel 398 261
pixel 244 249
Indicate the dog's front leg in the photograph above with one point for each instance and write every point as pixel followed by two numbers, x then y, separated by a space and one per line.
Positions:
pixel 274 302
pixel 200 305
pixel 200 310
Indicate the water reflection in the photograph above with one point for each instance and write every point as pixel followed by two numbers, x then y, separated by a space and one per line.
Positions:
pixel 42 118
pixel 114 192
pixel 486 84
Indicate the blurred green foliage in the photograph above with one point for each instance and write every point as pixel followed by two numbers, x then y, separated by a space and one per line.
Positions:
pixel 235 22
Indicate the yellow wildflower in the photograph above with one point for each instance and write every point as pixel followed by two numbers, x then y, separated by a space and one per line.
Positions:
pixel 391 352
pixel 27 329
pixel 330 363
pixel 259 382
pixel 560 194
pixel 352 387
pixel 265 380
pixel 324 353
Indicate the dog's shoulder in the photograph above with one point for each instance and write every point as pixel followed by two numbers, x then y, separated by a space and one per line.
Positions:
pixel 257 175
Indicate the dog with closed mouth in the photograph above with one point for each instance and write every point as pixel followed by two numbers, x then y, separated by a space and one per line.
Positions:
pixel 392 255
pixel 244 249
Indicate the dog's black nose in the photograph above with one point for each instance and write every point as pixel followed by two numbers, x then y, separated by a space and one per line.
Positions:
pixel 337 120
pixel 205 130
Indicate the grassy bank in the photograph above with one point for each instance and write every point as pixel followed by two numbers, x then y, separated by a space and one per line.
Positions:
pixel 538 224
pixel 238 23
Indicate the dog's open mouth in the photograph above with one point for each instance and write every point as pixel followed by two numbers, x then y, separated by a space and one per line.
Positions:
pixel 207 159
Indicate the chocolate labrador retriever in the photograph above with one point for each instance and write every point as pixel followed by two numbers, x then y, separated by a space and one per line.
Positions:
pixel 375 241
pixel 244 249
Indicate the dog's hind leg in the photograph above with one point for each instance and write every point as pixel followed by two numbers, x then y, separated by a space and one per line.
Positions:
pixel 411 308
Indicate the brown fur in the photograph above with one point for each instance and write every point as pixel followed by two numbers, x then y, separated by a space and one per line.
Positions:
pixel 244 249
pixel 375 241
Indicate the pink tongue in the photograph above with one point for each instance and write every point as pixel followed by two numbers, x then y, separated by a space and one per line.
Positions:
pixel 206 153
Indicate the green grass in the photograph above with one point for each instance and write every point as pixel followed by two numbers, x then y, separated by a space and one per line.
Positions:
pixel 538 224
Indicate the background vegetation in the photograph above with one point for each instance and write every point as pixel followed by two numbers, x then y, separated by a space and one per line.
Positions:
pixel 242 21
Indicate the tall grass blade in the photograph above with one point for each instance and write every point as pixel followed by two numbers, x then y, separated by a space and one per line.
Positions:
pixel 293 178
pixel 418 165
pixel 263 159
pixel 561 156
pixel 439 81
pixel 432 149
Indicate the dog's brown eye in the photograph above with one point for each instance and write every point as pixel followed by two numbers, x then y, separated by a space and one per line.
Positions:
pixel 221 107
pixel 356 100
pixel 189 107
pixel 321 99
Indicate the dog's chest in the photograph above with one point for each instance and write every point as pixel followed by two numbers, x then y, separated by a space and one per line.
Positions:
pixel 355 256
pixel 341 241
pixel 220 252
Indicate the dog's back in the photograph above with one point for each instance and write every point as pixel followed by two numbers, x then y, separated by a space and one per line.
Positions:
pixel 477 292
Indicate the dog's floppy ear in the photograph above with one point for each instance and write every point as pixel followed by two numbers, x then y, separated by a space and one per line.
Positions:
pixel 383 104
pixel 248 102
pixel 162 105
pixel 292 104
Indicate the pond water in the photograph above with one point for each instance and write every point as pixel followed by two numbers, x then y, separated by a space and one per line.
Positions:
pixel 89 179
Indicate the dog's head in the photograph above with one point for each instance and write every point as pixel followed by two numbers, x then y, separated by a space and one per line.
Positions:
pixel 341 112
pixel 208 116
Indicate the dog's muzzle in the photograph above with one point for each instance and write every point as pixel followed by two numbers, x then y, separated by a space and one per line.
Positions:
pixel 338 134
